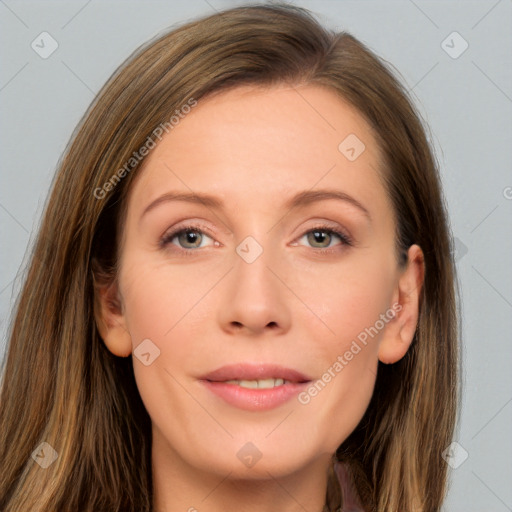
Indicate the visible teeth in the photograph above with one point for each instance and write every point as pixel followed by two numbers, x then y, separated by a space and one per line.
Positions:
pixel 248 384
pixel 258 384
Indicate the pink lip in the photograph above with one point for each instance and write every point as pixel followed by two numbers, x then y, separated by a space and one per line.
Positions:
pixel 251 371
pixel 255 399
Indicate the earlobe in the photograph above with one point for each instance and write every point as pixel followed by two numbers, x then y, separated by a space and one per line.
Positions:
pixel 400 331
pixel 110 320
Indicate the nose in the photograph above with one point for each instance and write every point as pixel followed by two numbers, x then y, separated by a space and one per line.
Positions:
pixel 255 300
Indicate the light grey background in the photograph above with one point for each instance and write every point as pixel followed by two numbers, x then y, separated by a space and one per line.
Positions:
pixel 467 101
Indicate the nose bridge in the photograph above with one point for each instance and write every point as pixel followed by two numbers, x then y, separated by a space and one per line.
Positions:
pixel 250 250
pixel 252 262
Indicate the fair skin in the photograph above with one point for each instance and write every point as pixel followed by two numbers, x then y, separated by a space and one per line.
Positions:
pixel 204 306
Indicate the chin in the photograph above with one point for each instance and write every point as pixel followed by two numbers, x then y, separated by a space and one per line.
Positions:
pixel 258 461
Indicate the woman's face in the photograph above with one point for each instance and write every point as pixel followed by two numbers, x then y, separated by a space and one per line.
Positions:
pixel 262 287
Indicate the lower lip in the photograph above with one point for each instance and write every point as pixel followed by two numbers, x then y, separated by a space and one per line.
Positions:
pixel 255 399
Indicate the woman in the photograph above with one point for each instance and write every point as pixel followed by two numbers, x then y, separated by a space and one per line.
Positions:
pixel 189 340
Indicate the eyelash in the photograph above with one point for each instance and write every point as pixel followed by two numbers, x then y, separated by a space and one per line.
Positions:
pixel 165 241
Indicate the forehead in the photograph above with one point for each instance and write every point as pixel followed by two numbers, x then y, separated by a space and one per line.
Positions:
pixel 263 145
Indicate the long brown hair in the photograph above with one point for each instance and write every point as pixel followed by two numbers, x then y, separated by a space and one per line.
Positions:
pixel 62 386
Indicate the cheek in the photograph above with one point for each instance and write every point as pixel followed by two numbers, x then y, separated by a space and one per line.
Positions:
pixel 354 315
pixel 159 306
pixel 348 299
pixel 160 298
pixel 351 304
pixel 169 306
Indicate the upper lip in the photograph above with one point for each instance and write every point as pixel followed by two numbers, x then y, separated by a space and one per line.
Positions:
pixel 251 371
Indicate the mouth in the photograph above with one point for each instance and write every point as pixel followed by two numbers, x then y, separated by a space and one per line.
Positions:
pixel 255 387
pixel 259 384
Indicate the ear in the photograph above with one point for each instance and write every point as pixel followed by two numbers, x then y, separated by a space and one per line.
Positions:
pixel 400 331
pixel 110 320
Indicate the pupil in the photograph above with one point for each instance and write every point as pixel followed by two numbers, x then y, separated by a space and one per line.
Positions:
pixel 191 236
pixel 320 234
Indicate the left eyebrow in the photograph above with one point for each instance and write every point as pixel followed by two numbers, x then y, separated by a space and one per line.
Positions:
pixel 308 197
